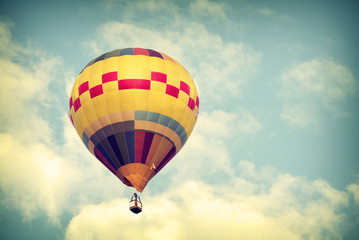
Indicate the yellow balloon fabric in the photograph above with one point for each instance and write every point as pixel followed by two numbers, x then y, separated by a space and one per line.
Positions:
pixel 134 109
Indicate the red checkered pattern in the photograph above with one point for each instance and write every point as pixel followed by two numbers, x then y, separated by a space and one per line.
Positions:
pixel 77 104
pixel 95 91
pixel 83 87
pixel 159 77
pixel 134 84
pixel 172 90
pixel 109 77
pixel 184 87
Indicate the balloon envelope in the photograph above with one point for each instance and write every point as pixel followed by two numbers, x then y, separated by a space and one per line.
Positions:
pixel 134 109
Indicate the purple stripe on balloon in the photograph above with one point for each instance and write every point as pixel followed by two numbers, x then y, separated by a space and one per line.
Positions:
pixel 146 146
pixel 154 53
pixel 102 159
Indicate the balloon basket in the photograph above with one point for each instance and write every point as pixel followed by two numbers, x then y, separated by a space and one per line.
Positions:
pixel 135 204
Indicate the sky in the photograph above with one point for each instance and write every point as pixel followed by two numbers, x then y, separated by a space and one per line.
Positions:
pixel 274 153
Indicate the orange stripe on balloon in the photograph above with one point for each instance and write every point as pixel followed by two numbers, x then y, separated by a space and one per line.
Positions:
pixel 155 142
pixel 161 147
pixel 167 147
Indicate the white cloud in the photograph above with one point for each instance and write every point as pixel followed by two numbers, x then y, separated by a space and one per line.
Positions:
pixel 224 124
pixel 29 169
pixel 117 222
pixel 36 175
pixel 114 35
pixel 266 11
pixel 300 115
pixel 220 68
pixel 155 11
pixel 39 178
pixel 7 48
pixel 273 14
pixel 30 178
pixel 42 178
pixel 313 89
pixel 208 8
pixel 207 154
pixel 25 78
pixel 289 208
pixel 354 190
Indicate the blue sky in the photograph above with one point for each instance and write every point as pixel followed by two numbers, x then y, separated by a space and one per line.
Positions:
pixel 275 149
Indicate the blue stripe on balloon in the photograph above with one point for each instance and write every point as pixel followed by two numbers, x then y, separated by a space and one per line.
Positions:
pixel 165 121
pixel 127 51
pixel 114 145
pixel 85 140
pixel 130 140
pixel 121 140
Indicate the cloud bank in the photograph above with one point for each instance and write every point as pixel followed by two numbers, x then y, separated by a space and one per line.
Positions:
pixel 316 89
pixel 278 206
pixel 37 175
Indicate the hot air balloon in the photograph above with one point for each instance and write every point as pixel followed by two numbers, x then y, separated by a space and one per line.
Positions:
pixel 134 110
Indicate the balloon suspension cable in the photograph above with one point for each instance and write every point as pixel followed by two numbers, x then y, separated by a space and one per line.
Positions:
pixel 136 194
